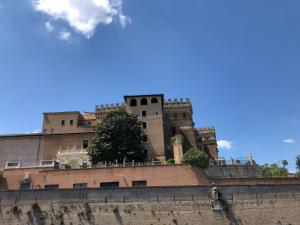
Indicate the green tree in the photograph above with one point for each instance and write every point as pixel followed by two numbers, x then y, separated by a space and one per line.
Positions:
pixel 284 163
pixel 298 162
pixel 118 137
pixel 196 157
pixel 274 170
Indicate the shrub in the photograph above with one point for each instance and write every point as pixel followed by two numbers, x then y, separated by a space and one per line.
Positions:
pixel 16 211
pixel 115 209
pixel 35 206
pixel 171 161
pixel 196 157
pixel 67 166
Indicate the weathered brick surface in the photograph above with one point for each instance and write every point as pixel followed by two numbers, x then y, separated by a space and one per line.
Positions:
pixel 154 175
pixel 251 205
pixel 160 175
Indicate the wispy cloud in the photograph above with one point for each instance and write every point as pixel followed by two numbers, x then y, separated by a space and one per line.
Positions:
pixel 36 131
pixel 84 15
pixel 289 141
pixel 225 144
pixel 65 35
pixel 49 27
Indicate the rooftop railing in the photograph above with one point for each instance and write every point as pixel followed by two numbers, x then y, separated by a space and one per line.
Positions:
pixel 40 163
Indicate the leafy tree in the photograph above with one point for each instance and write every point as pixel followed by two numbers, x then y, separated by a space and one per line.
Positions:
pixel 171 161
pixel 119 137
pixel 196 157
pixel 284 163
pixel 298 162
pixel 274 170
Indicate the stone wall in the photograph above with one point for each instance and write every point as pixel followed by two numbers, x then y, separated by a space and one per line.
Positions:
pixel 251 205
pixel 233 171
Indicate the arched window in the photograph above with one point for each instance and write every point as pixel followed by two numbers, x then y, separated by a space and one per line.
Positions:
pixel 144 101
pixel 133 102
pixel 154 100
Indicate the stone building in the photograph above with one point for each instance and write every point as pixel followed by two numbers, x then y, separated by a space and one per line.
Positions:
pixel 73 131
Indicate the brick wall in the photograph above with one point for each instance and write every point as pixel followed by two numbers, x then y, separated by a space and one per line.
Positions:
pixel 160 175
pixel 157 175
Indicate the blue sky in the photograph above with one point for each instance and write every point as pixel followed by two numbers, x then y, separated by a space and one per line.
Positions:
pixel 238 61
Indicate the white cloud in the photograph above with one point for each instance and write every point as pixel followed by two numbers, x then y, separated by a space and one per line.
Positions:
pixel 289 141
pixel 49 27
pixel 83 15
pixel 124 20
pixel 65 35
pixel 36 131
pixel 224 144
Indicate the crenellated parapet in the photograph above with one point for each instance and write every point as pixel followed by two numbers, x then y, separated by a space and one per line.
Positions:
pixel 182 108
pixel 110 106
pixel 207 141
pixel 177 103
pixel 104 109
pixel 207 130
pixel 206 134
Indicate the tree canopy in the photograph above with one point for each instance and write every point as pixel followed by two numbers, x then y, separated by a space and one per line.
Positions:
pixel 284 163
pixel 196 157
pixel 118 137
pixel 274 170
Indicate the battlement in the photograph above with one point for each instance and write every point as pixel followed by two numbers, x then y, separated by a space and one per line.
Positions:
pixel 205 130
pixel 110 106
pixel 206 133
pixel 175 104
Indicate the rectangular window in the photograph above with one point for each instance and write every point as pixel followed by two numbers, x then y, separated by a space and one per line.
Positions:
pixel 145 138
pixel 144 113
pixel 25 186
pixel 175 115
pixel 109 184
pixel 144 125
pixel 139 183
pixel 52 131
pixel 62 122
pixel 80 186
pixel 85 143
pixel 166 115
pixel 51 186
pixel 71 122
